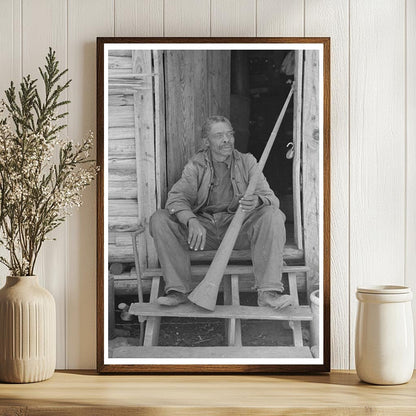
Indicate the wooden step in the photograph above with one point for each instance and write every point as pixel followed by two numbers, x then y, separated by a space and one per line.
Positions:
pixel 186 310
pixel 212 352
pixel 201 270
pixel 290 252
pixel 124 253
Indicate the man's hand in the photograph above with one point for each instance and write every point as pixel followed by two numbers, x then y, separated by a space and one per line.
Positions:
pixel 249 202
pixel 196 235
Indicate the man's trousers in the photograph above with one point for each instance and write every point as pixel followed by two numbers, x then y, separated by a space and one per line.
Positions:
pixel 263 232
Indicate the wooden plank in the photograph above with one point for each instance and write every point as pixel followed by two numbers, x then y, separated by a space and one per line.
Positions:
pixel 139 17
pixel 118 176
pixel 122 208
pixel 119 64
pixel 233 18
pixel 186 310
pixel 290 254
pixel 377 147
pixel 151 335
pixel 212 352
pixel 199 269
pixel 160 129
pixel 201 87
pixel 187 18
pixel 235 300
pixel 120 190
pixel 296 326
pixel 86 19
pixel 36 40
pixel 125 284
pixel 312 137
pixel 280 18
pixel 116 133
pixel 229 323
pixel 10 67
pixel 123 224
pixel 111 307
pixel 219 77
pixel 145 156
pixel 121 116
pixel 119 52
pixel 122 166
pixel 179 112
pixel 128 286
pixel 331 18
pixel 85 393
pixel 297 146
pixel 232 297
pixel 122 149
pixel 411 151
pixel 120 99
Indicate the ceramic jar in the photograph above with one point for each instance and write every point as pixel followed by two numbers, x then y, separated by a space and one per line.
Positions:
pixel 27 331
pixel 384 339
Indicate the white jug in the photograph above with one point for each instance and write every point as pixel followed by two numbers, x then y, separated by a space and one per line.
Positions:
pixel 384 337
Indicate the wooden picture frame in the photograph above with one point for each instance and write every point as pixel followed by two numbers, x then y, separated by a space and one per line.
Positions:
pixel 152 96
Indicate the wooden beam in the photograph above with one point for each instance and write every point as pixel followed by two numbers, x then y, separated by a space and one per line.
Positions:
pixel 116 133
pixel 124 254
pixel 219 82
pixel 180 97
pixel 145 154
pixel 186 310
pixel 151 336
pixel 212 352
pixel 295 325
pixel 160 129
pixel 310 167
pixel 122 190
pixel 297 147
pixel 121 116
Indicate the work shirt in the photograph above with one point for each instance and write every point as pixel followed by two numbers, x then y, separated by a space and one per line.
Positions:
pixel 190 193
pixel 221 189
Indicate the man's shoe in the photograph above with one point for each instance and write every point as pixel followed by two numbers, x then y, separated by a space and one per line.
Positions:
pixel 172 298
pixel 274 299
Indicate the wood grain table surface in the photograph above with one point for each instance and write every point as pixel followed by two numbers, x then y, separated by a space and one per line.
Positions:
pixel 87 393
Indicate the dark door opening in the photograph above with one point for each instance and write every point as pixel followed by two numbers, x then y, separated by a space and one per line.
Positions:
pixel 259 87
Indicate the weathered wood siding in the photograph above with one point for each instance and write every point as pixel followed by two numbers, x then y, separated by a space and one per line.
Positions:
pixel 197 86
pixel 132 150
pixel 310 162
pixel 149 147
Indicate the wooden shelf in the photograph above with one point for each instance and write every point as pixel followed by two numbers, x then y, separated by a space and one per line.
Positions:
pixel 86 393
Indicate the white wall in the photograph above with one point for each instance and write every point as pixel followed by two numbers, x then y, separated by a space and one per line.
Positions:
pixel 373 132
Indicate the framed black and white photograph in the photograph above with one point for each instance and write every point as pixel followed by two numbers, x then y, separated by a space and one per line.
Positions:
pixel 213 205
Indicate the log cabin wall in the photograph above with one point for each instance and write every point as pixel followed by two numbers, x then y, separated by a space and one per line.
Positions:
pixel 131 155
pixel 158 101
pixel 373 126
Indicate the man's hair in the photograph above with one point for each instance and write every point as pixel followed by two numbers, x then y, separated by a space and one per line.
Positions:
pixel 206 127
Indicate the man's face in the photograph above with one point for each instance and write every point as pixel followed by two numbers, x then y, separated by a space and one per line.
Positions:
pixel 220 140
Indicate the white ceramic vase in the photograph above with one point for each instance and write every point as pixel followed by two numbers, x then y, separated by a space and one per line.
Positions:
pixel 27 331
pixel 384 340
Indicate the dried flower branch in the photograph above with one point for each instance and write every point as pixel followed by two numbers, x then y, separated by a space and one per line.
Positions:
pixel 36 193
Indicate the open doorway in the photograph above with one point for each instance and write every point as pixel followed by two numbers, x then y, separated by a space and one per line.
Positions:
pixel 260 83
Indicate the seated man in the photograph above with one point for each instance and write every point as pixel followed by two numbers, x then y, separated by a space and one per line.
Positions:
pixel 200 207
